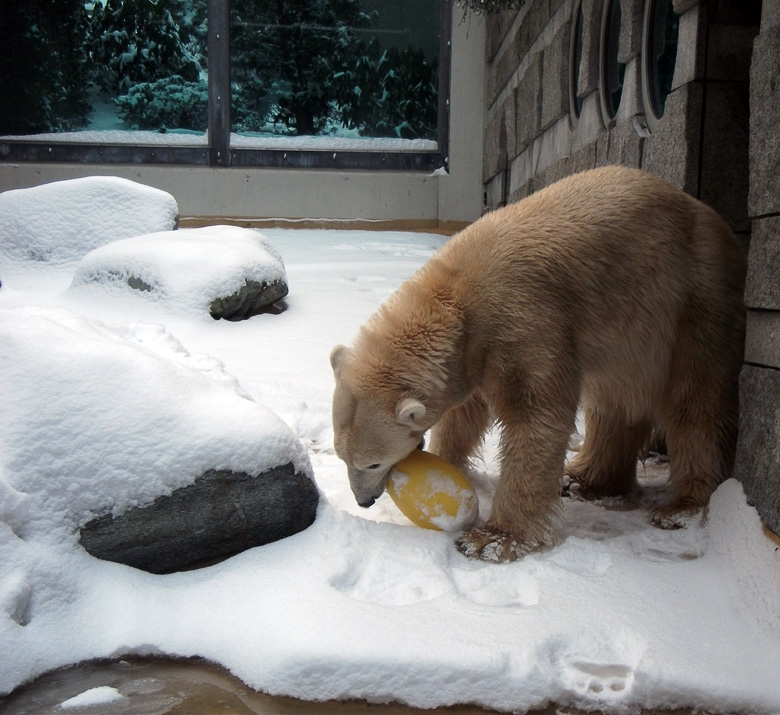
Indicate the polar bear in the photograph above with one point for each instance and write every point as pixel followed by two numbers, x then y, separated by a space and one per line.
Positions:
pixel 610 289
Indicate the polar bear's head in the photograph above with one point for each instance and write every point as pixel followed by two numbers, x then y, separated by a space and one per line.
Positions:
pixel 374 426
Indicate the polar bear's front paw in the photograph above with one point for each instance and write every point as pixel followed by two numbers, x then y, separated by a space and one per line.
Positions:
pixel 491 544
pixel 678 514
pixel 487 544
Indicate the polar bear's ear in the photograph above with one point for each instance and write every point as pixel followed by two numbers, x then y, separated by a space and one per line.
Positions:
pixel 337 358
pixel 410 412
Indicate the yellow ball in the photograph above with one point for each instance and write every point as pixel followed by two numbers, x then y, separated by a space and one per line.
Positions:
pixel 432 493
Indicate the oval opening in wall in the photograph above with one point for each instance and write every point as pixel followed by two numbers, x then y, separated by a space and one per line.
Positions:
pixel 575 62
pixel 660 32
pixel 612 71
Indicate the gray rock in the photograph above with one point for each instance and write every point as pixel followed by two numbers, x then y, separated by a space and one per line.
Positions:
pixel 221 514
pixel 555 78
pixel 252 298
pixel 762 338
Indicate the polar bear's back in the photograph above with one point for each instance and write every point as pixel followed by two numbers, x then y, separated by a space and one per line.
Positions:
pixel 607 264
pixel 604 220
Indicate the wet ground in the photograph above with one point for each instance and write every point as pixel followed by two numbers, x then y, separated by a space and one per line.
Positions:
pixel 154 686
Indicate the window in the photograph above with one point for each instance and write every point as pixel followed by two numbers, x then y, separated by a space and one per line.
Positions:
pixel 575 62
pixel 305 83
pixel 612 72
pixel 659 55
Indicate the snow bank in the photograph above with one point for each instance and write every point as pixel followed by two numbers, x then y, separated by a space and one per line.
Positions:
pixel 58 223
pixel 739 538
pixel 97 419
pixel 182 270
pixel 351 608
pixel 330 143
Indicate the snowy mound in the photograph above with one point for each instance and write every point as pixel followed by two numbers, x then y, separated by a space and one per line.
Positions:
pixel 222 270
pixel 58 223
pixel 96 419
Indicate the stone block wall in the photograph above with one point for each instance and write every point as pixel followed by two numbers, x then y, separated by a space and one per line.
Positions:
pixel 717 139
pixel 758 449
pixel 700 143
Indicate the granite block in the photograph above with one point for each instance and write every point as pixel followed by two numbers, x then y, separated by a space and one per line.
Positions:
pixel 762 287
pixel 757 463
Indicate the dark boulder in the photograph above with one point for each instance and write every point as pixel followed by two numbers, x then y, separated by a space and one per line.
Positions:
pixel 220 514
pixel 252 298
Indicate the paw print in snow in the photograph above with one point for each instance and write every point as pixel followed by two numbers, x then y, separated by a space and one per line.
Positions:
pixel 15 597
pixel 597 667
pixel 601 678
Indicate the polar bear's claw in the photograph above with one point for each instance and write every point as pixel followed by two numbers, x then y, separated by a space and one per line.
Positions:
pixel 489 545
pixel 678 514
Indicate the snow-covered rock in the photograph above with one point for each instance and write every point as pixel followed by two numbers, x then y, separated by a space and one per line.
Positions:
pixel 99 420
pixel 222 271
pixel 58 223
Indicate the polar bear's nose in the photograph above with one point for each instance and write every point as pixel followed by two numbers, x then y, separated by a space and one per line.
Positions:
pixel 366 504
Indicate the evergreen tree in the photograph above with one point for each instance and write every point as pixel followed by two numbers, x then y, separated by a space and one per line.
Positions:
pixel 135 41
pixel 172 102
pixel 284 56
pixel 43 76
pixel 389 93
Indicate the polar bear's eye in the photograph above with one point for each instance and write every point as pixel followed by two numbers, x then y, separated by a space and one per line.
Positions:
pixel 373 466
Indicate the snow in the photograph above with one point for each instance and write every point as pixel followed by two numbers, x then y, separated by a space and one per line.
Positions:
pixel 102 695
pixel 331 143
pixel 183 270
pixel 142 137
pixel 237 141
pixel 78 389
pixel 58 223
pixel 361 604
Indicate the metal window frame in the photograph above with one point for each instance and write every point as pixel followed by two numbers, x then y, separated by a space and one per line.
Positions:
pixel 219 153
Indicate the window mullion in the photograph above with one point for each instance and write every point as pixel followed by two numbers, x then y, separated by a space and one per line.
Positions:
pixel 219 82
pixel 445 64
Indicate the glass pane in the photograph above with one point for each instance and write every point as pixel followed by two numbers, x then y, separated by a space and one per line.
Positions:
pixel 664 29
pixel 348 69
pixel 575 64
pixel 149 60
pixel 614 71
pixel 43 66
pixel 107 65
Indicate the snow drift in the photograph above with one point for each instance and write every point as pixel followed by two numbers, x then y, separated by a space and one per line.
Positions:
pixel 58 223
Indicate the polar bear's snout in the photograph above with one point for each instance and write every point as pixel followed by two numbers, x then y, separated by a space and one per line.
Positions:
pixel 367 486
